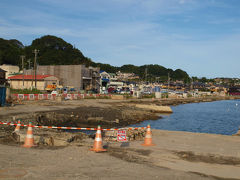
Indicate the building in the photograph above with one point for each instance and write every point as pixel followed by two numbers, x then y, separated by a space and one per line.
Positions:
pixel 2 77
pixel 78 76
pixel 126 76
pixel 104 80
pixel 10 69
pixel 28 81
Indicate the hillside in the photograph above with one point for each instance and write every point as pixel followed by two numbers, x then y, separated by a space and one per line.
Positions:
pixel 55 51
pixel 10 51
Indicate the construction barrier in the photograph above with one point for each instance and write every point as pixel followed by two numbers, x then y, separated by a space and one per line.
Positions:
pixel 31 97
pixel 40 96
pixel 98 142
pixel 53 96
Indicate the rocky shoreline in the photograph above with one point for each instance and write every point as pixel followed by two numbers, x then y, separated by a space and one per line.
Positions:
pixel 90 112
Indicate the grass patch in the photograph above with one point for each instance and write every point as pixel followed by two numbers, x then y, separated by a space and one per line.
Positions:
pixel 25 91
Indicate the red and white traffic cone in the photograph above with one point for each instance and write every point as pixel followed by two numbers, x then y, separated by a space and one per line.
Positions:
pixel 148 137
pixel 97 146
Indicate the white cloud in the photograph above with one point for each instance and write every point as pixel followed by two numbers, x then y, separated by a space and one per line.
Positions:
pixel 118 32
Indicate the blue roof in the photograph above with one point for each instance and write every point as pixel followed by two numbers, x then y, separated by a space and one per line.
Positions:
pixel 101 71
pixel 104 79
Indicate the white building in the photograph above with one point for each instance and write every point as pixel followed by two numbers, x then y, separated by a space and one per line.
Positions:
pixel 11 69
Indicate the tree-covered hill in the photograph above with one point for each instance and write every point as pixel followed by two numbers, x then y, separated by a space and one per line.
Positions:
pixel 55 51
pixel 10 51
pixel 150 71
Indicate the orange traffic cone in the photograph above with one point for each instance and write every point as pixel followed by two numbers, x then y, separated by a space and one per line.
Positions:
pixel 29 141
pixel 17 129
pixel 148 137
pixel 97 146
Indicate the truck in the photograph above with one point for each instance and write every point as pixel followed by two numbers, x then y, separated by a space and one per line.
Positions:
pixel 51 87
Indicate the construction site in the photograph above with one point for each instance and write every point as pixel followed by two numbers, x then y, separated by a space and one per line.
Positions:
pixel 50 139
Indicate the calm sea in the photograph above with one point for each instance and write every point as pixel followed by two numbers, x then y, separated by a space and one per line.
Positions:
pixel 219 117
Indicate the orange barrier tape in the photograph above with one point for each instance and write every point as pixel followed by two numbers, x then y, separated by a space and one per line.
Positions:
pixel 76 128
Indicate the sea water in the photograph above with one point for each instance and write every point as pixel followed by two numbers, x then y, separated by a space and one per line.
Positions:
pixel 218 117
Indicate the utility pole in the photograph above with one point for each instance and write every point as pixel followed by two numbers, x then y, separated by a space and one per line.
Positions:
pixel 192 84
pixel 23 57
pixel 146 74
pixel 32 72
pixel 29 63
pixel 35 65
pixel 168 82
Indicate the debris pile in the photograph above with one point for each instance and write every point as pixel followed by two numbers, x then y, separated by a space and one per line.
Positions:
pixel 132 135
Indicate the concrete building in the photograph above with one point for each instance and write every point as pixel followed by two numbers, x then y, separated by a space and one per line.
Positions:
pixel 10 69
pixel 16 82
pixel 77 76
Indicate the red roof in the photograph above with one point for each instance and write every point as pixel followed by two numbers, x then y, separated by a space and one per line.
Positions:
pixel 38 77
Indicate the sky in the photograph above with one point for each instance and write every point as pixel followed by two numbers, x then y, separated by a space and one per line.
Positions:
pixel 201 37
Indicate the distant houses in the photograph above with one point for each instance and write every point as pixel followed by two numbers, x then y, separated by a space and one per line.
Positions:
pixel 91 79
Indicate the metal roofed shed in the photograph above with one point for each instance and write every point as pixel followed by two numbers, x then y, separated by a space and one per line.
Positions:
pixel 16 82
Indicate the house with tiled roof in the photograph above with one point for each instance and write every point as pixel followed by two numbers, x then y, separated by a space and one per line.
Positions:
pixel 28 81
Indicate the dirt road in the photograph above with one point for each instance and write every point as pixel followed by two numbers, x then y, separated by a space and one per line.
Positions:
pixel 177 155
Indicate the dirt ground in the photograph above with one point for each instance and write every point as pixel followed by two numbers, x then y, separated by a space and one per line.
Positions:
pixel 177 155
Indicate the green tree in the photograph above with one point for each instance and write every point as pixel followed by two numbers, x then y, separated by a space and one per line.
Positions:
pixel 10 51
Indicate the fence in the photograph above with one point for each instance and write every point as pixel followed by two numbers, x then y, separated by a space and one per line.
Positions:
pixel 53 96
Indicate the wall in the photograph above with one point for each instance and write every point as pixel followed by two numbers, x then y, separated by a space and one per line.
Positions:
pixel 18 84
pixel 10 69
pixel 70 75
pixel 50 80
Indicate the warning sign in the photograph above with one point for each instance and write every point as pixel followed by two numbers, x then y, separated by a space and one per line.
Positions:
pixel 121 136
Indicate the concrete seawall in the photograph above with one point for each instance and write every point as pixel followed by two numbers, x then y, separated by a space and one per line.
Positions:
pixel 158 109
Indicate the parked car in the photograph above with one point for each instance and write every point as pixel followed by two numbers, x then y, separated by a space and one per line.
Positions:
pixel 125 92
pixel 147 92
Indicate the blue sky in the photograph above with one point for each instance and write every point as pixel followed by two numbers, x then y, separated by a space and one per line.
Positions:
pixel 201 37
